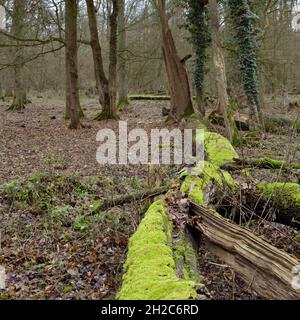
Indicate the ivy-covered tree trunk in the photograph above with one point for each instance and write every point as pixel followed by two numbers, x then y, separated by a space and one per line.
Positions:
pixel 198 26
pixel 17 29
pixel 181 102
pixel 243 20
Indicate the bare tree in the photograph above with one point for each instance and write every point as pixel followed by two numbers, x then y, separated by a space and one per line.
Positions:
pixel 122 87
pixel 71 12
pixel 106 86
pixel 17 31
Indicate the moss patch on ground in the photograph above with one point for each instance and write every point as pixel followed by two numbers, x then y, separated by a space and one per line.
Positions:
pixel 150 269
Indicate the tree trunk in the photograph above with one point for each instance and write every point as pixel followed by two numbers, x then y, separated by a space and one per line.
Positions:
pixel 68 94
pixel 122 88
pixel 244 26
pixel 113 60
pixel 200 102
pixel 219 68
pixel 71 63
pixel 68 91
pixel 106 87
pixel 181 103
pixel 18 17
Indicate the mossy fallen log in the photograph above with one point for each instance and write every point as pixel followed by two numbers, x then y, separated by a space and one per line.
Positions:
pixel 207 180
pixel 260 163
pixel 150 267
pixel 132 196
pixel 285 197
pixel 218 149
pixel 274 124
pixel 211 182
pixel 267 270
pixel 149 97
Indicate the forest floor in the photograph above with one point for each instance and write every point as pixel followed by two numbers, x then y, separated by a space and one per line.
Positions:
pixel 55 242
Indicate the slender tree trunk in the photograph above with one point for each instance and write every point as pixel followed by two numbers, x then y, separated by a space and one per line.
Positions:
pixel 106 87
pixel 68 91
pixel 71 62
pixel 219 69
pixel 122 88
pixel 113 57
pixel 181 102
pixel 200 101
pixel 18 21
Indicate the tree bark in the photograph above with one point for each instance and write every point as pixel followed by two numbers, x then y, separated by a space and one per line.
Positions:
pixel 71 62
pixel 181 102
pixel 106 86
pixel 18 20
pixel 122 88
pixel 219 68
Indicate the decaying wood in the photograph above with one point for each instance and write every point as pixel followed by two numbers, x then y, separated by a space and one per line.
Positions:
pixel 241 123
pixel 266 269
pixel 260 163
pixel 134 196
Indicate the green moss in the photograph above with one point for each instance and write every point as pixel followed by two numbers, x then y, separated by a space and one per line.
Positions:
pixel 150 267
pixel 246 172
pixel 286 194
pixel 218 149
pixel 196 185
pixel 122 104
pixel 185 259
pixel 277 164
pixel 148 97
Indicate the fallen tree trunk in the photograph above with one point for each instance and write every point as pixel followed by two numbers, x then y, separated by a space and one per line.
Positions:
pixel 260 163
pixel 267 270
pixel 151 267
pixel 134 196
pixel 149 97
